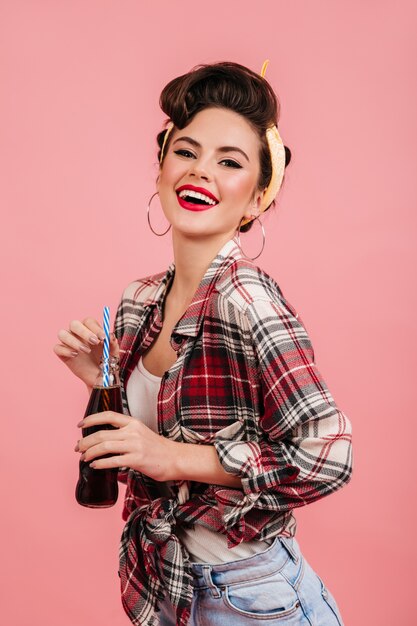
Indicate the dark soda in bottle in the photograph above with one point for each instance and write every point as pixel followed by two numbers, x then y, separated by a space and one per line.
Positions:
pixel 98 488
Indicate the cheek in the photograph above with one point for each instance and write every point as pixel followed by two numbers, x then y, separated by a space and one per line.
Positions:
pixel 166 177
pixel 239 188
pixel 170 171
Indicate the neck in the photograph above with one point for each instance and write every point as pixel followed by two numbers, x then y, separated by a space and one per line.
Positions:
pixel 192 257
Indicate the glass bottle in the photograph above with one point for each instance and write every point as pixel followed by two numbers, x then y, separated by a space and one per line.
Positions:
pixel 98 488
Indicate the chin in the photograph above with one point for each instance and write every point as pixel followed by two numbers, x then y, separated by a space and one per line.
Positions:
pixel 204 233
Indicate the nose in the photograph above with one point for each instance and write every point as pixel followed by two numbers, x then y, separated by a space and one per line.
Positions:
pixel 198 169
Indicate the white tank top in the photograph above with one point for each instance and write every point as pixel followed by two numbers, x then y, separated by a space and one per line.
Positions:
pixel 203 545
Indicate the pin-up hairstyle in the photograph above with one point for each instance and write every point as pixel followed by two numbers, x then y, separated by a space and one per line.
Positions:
pixel 225 85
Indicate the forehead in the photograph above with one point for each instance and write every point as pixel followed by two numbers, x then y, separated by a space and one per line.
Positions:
pixel 221 126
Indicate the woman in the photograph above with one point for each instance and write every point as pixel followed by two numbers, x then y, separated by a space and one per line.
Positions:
pixel 228 425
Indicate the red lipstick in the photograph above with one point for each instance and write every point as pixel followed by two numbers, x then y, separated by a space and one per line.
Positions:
pixel 199 189
pixel 195 206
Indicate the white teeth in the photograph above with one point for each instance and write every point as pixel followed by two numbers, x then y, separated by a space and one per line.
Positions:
pixel 196 194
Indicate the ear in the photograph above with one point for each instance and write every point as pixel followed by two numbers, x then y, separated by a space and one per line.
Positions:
pixel 254 208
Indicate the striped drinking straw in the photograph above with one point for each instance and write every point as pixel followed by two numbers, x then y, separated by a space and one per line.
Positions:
pixel 106 345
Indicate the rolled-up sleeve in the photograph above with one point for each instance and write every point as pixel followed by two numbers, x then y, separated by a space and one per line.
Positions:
pixel 305 450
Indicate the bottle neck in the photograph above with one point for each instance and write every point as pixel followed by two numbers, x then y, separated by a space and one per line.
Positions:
pixel 108 377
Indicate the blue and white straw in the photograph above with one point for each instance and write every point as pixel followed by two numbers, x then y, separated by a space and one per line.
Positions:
pixel 106 345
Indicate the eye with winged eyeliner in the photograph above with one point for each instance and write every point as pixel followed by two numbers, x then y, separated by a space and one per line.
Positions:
pixel 234 164
pixel 222 149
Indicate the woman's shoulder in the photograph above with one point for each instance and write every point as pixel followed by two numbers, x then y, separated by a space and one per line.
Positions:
pixel 248 286
pixel 145 289
pixel 255 298
pixel 136 297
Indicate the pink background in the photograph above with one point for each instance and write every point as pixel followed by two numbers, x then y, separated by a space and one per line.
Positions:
pixel 80 82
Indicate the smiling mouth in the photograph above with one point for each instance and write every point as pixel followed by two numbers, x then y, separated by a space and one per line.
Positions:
pixel 194 201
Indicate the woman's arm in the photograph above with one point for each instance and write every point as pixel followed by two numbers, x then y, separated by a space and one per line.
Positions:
pixel 136 446
pixel 305 452
pixel 201 463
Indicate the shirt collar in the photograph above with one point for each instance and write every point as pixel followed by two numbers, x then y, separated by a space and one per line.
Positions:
pixel 189 324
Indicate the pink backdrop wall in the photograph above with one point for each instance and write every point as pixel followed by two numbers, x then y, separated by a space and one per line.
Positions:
pixel 80 82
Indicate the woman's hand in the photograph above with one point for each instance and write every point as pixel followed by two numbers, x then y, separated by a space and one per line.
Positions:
pixel 81 348
pixel 135 445
pixel 132 445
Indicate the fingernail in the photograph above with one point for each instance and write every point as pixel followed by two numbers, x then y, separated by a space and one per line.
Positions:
pixel 74 353
pixel 80 423
pixel 94 340
pixel 85 349
pixel 76 447
pixel 101 337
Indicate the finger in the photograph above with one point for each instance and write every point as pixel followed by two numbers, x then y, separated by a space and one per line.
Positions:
pixel 106 417
pixel 111 462
pixel 104 448
pixel 94 326
pixel 68 339
pixel 84 332
pixel 64 351
pixel 100 436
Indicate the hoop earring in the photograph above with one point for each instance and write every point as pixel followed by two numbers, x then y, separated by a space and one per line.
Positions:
pixel 149 218
pixel 252 258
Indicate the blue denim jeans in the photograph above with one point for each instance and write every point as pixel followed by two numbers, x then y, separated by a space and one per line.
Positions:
pixel 275 587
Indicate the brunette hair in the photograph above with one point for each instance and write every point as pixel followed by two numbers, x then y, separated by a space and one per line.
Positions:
pixel 225 85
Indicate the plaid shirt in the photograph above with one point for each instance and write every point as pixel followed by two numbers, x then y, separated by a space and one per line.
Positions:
pixel 246 382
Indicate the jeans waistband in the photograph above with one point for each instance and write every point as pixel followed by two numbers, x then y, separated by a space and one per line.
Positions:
pixel 270 560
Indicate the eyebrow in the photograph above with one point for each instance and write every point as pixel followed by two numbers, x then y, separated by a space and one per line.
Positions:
pixel 196 144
